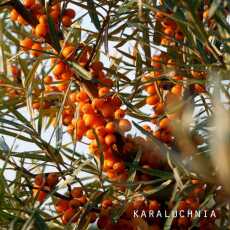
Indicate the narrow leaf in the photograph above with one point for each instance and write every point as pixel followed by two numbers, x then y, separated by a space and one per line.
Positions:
pixel 93 14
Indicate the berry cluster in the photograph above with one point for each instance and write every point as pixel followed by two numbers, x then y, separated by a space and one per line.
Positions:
pixel 44 185
pixel 71 208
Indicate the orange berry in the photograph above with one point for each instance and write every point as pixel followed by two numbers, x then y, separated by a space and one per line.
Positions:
pixel 179 36
pixel 110 139
pixel 75 203
pixel 26 44
pixel 101 141
pixel 66 119
pixel 183 221
pixel 54 14
pixel 182 205
pixel 124 125
pixel 106 81
pixel 156 61
pixel 111 127
pixel 152 100
pixel 104 222
pixel 37 9
pixel 83 59
pixel 36 105
pixel 101 131
pixel 72 97
pixel 70 129
pixel 106 110
pixel 82 96
pixel 68 52
pixel 155 227
pixel 96 66
pixel 108 153
pixel 66 21
pixel 87 108
pixel 89 119
pixel 69 216
pixel 193 203
pixel 116 101
pixel 52 179
pixel 197 193
pixel 151 89
pixel 56 7
pixel 76 192
pixel 81 124
pixel 68 111
pixel 70 13
pixel 39 180
pixel 159 15
pixel 42 19
pixel 66 76
pixel 28 3
pixel 205 14
pixel 15 71
pixel 138 203
pixel 99 121
pixel 154 205
pixel 108 164
pixel 159 108
pixel 107 203
pixel 164 123
pixel 103 91
pixel 62 205
pixel 14 15
pixel 156 58
pixel 93 149
pixel 36 49
pixel 196 181
pixel 171 63
pixel 59 68
pixel 177 78
pixel 196 74
pixel 169 31
pixel 41 30
pixel 90 134
pixel 98 103
pixel 119 113
pixel 199 88
pixel 167 22
pixel 79 134
pixel 147 128
pixel 119 167
pixel 112 175
pixel 62 87
pixel 177 90
pixel 83 199
pixel 39 195
pixel 156 74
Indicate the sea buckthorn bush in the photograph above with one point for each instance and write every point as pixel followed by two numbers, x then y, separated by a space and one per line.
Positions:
pixel 114 113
